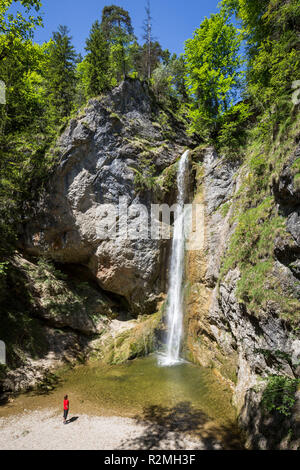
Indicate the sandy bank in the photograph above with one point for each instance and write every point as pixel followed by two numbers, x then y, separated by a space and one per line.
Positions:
pixel 45 430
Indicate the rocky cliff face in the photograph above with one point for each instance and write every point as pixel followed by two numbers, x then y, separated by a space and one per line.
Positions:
pixel 117 139
pixel 242 276
pixel 226 331
pixel 123 145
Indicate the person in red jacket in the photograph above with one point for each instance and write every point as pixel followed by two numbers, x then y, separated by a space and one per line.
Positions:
pixel 66 408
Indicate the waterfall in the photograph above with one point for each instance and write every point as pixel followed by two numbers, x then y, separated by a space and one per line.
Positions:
pixel 175 297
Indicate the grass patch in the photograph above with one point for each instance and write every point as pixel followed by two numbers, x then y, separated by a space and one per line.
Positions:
pixel 225 209
pixel 167 179
pixel 258 224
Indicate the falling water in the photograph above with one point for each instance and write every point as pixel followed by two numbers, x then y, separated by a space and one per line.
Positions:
pixel 175 299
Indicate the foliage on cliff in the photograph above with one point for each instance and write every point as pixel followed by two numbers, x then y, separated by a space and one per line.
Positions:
pixel 225 108
pixel 259 225
pixel 213 74
pixel 40 301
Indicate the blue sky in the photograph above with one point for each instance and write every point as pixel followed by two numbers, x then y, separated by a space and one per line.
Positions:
pixel 173 20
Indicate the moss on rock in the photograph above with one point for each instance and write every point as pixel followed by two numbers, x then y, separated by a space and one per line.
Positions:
pixel 138 341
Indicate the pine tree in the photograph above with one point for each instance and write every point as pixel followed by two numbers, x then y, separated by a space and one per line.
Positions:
pixel 98 61
pixel 118 31
pixel 61 73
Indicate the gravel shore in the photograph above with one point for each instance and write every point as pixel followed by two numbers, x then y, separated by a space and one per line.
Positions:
pixel 44 430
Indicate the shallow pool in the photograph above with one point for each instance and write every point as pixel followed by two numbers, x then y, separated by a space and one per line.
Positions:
pixel 184 397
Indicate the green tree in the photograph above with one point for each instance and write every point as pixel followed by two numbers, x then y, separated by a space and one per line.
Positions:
pixel 156 57
pixel 18 26
pixel 178 72
pixel 23 135
pixel 162 83
pixel 118 31
pixel 271 29
pixel 213 72
pixel 22 70
pixel 97 71
pixel 61 73
pixel 140 58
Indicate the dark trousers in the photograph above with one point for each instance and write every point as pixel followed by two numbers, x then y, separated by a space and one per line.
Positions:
pixel 66 414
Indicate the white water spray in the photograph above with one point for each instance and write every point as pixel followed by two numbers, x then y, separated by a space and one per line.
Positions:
pixel 175 297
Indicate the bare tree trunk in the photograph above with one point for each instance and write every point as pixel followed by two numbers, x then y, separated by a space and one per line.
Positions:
pixel 149 52
pixel 148 37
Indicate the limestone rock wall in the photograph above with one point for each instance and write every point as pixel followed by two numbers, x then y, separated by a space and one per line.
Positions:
pixel 122 145
pixel 222 331
pixel 100 154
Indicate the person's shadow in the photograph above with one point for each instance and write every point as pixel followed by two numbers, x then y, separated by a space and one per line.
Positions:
pixel 74 418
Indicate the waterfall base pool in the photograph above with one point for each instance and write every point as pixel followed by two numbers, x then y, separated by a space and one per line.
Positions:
pixel 184 397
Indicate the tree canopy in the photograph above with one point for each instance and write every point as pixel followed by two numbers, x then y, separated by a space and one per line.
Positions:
pixel 213 64
pixel 61 72
pixel 20 25
pixel 216 87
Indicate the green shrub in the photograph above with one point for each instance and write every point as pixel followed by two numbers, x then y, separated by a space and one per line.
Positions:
pixel 144 177
pixel 279 395
pixel 232 132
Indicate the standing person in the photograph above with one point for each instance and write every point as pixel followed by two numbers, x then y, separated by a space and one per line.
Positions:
pixel 66 408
